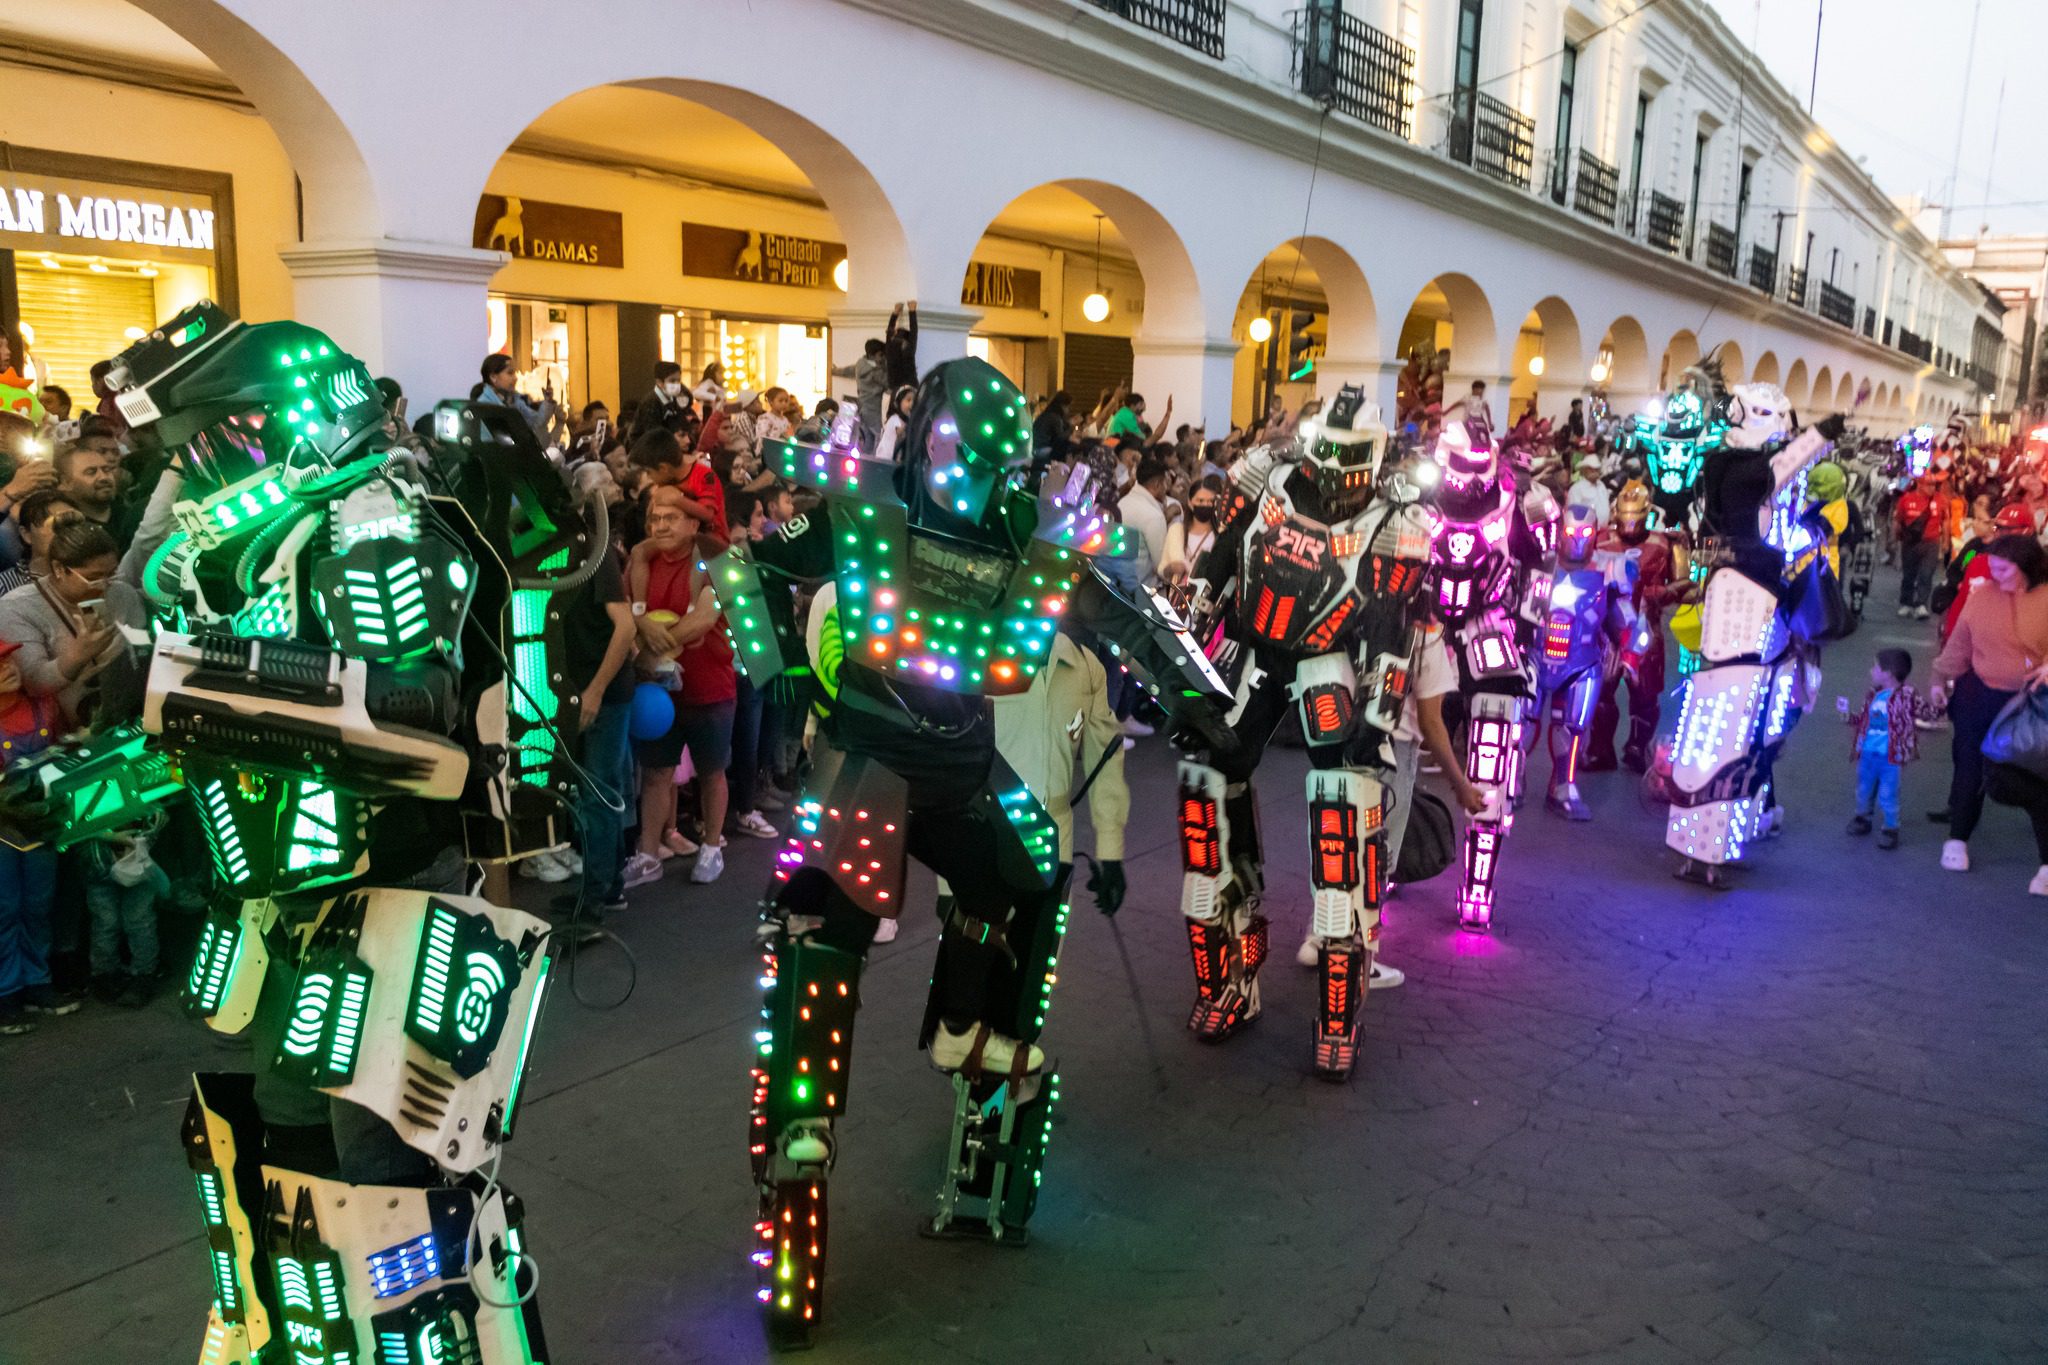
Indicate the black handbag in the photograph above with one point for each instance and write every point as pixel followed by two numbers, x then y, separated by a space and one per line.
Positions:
pixel 2018 735
pixel 1815 608
pixel 1430 842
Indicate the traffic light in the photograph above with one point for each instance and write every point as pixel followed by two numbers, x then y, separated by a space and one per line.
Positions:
pixel 1301 347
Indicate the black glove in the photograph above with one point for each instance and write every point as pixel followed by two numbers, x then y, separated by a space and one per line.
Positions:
pixel 1107 883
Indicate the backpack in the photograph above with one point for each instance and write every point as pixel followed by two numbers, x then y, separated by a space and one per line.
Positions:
pixel 1915 508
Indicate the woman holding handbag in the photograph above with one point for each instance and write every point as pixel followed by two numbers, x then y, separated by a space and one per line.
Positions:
pixel 2000 640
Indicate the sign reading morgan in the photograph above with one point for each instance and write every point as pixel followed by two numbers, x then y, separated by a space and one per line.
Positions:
pixel 535 230
pixel 782 258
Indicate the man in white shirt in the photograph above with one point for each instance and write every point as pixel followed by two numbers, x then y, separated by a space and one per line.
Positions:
pixel 1588 491
pixel 1145 514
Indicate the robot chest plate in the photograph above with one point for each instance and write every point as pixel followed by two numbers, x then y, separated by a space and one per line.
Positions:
pixel 1298 580
pixel 945 612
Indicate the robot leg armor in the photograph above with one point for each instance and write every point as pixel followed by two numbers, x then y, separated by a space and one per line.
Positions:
pixel 1347 870
pixel 1220 897
pixel 1492 757
pixel 1645 709
pixel 1575 703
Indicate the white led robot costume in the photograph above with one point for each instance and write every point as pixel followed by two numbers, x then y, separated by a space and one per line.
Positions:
pixel 337 707
pixel 948 579
pixel 1736 710
pixel 1588 612
pixel 1488 554
pixel 1312 581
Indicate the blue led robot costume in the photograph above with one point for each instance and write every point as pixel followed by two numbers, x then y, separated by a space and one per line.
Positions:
pixel 334 704
pixel 1588 615
pixel 948 580
pixel 1311 580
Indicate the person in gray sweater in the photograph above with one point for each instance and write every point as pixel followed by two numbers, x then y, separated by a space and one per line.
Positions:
pixel 67 625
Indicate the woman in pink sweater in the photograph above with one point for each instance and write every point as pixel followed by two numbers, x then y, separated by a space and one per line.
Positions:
pixel 2000 641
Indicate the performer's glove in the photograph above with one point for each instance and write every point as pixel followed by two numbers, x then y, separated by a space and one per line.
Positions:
pixel 1107 882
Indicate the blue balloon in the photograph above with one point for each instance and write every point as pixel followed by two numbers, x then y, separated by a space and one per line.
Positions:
pixel 654 711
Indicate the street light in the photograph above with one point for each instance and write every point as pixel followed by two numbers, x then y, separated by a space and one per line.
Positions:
pixel 839 274
pixel 1599 372
pixel 1095 307
pixel 1261 330
pixel 1536 366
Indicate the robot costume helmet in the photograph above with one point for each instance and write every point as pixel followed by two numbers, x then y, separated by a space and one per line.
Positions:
pixel 1467 457
pixel 968 439
pixel 273 395
pixel 1632 509
pixel 1759 416
pixel 1341 452
pixel 1580 534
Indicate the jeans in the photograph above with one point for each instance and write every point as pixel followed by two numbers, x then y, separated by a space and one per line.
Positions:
pixel 1917 566
pixel 1971 710
pixel 118 910
pixel 1400 786
pixel 28 888
pixel 607 757
pixel 743 770
pixel 1877 779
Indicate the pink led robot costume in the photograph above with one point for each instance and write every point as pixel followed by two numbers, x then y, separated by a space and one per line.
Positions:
pixel 1489 547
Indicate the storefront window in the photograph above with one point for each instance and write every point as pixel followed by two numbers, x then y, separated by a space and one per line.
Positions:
pixel 546 341
pixel 756 354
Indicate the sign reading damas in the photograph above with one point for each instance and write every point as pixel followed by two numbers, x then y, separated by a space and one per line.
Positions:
pixel 535 230
pixel 743 254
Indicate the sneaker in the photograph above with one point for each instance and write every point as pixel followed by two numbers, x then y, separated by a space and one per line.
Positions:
pixel 1861 826
pixel 641 869
pixel 2039 886
pixel 1138 729
pixel 1904 612
pixel 14 1020
pixel 710 862
pixel 1938 817
pixel 950 1050
pixel 45 999
pixel 136 992
pixel 770 802
pixel 1385 978
pixel 1955 856
pixel 753 825
pixel 1919 613
pixel 1888 838
pixel 572 860
pixel 1310 953
pixel 1129 744
pixel 886 931
pixel 675 845
pixel 544 867
pixel 107 989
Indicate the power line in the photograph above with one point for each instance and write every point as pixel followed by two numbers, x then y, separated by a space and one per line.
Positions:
pixel 1540 61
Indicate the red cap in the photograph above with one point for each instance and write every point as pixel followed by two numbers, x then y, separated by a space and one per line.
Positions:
pixel 2014 516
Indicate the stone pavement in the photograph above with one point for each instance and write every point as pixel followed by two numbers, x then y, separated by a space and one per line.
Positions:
pixel 1799 1121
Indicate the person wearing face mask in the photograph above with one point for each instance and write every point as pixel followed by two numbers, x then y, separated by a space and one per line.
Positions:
pixel 67 625
pixel 1190 537
pixel 668 407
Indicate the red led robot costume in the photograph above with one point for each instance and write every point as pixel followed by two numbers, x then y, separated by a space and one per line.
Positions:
pixel 1486 558
pixel 1311 579
pixel 1660 570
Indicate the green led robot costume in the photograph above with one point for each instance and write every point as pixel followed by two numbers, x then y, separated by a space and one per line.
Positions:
pixel 948 577
pixel 355 689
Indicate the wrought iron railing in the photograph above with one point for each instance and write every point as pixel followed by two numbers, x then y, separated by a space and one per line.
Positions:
pixel 1915 345
pixel 1870 322
pixel 1191 23
pixel 1720 251
pixel 1352 65
pixel 1837 305
pixel 1491 137
pixel 1663 222
pixel 1763 269
pixel 1795 287
pixel 1597 190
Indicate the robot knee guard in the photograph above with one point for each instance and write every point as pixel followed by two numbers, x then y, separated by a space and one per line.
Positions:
pixel 1226 935
pixel 1493 754
pixel 1346 812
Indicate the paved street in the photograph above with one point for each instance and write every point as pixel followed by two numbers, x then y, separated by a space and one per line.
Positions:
pixel 1799 1121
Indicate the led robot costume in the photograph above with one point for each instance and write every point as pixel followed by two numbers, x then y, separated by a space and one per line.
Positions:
pixel 948 579
pixel 1486 557
pixel 1312 582
pixel 1737 708
pixel 1675 438
pixel 1588 611
pixel 1656 567
pixel 336 693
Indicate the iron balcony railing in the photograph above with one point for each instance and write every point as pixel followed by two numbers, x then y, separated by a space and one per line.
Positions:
pixel 1663 222
pixel 1915 345
pixel 1347 63
pixel 1720 250
pixel 1763 269
pixel 1837 305
pixel 1597 190
pixel 1795 287
pixel 1870 322
pixel 1491 137
pixel 1191 23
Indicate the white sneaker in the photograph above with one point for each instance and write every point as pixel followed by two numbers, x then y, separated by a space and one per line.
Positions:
pixel 1919 613
pixel 710 862
pixel 1904 612
pixel 544 867
pixel 755 826
pixel 641 869
pixel 572 860
pixel 1138 729
pixel 1310 953
pixel 2039 886
pixel 1129 744
pixel 949 1051
pixel 1385 978
pixel 885 932
pixel 1955 856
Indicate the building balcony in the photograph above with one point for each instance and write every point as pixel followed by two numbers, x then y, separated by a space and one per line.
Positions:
pixel 1348 64
pixel 1720 251
pixel 1492 138
pixel 1196 24
pixel 1763 269
pixel 1795 287
pixel 1837 305
pixel 1658 222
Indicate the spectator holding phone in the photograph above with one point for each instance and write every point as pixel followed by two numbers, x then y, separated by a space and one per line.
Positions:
pixel 67 627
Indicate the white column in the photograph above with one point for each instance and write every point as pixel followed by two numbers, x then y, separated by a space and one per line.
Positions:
pixel 412 310
pixel 1198 373
pixel 942 334
pixel 851 330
